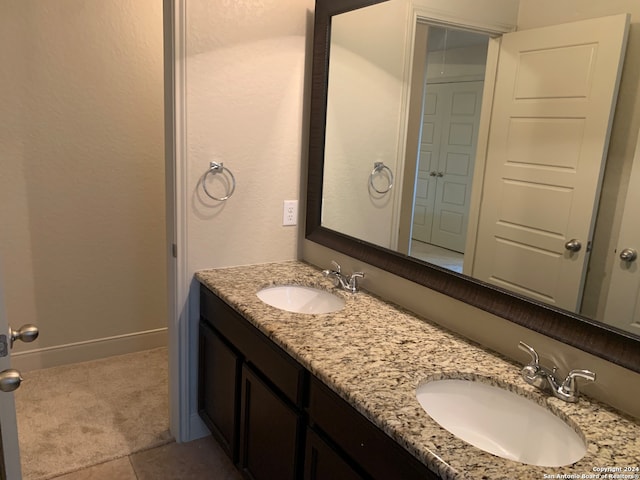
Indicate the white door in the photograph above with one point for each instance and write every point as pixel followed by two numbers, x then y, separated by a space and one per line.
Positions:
pixel 445 165
pixel 623 301
pixel 425 188
pixel 455 166
pixel 9 442
pixel 555 93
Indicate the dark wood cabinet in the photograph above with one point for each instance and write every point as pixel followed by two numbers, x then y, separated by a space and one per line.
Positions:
pixel 219 374
pixel 251 394
pixel 275 420
pixel 360 440
pixel 270 432
pixel 322 462
pixel 282 372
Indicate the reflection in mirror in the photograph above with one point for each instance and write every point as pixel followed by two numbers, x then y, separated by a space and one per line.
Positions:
pixel 452 83
pixel 448 204
pixel 495 16
pixel 364 115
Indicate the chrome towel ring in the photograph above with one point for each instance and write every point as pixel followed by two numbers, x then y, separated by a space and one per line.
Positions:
pixel 214 169
pixel 379 167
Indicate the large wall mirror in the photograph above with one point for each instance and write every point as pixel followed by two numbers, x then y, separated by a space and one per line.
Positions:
pixel 401 183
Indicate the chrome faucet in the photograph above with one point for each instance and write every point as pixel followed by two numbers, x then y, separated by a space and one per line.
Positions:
pixel 349 283
pixel 545 379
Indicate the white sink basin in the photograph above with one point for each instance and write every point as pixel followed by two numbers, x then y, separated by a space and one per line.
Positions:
pixel 501 422
pixel 301 299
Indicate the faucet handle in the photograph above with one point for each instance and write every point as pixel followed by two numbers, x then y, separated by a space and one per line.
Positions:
pixel 586 374
pixel 532 371
pixel 570 386
pixel 534 355
pixel 353 280
pixel 336 265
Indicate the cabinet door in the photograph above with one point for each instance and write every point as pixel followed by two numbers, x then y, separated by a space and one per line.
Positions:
pixel 219 385
pixel 283 372
pixel 321 462
pixel 270 431
pixel 360 440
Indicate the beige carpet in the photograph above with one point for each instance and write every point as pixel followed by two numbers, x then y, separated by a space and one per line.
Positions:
pixel 74 416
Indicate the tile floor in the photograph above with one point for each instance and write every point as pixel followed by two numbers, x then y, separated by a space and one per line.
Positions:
pixel 438 256
pixel 200 459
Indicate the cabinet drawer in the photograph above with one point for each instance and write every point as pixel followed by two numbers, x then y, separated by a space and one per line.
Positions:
pixel 287 375
pixel 363 442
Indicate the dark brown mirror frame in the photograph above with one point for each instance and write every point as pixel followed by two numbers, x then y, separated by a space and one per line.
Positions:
pixel 607 342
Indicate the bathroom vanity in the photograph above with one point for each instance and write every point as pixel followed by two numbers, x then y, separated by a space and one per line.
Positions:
pixel 292 395
pixel 271 414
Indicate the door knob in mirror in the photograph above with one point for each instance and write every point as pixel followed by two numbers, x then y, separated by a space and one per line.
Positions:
pixel 628 255
pixel 573 245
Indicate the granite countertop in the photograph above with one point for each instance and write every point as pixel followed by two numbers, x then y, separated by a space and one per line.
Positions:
pixel 375 354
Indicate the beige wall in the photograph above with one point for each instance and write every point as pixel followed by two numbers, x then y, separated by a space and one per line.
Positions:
pixel 617 386
pixel 245 74
pixel 365 70
pixel 82 180
pixel 246 68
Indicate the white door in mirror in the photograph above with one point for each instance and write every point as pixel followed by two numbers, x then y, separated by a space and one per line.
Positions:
pixel 545 157
pixel 501 422
pixel 445 167
pixel 623 301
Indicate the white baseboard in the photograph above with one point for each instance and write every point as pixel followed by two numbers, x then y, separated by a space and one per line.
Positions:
pixel 88 350
pixel 197 428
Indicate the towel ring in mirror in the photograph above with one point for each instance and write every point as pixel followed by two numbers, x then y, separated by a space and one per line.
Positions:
pixel 379 167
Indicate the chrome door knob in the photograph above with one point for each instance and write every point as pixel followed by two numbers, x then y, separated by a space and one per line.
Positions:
pixel 10 380
pixel 628 255
pixel 573 245
pixel 27 333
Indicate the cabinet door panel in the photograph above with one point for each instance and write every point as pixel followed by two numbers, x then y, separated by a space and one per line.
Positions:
pixel 218 392
pixel 276 365
pixel 270 432
pixel 360 440
pixel 321 462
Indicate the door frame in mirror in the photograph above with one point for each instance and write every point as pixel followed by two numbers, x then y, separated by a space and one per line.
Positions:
pixel 609 343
